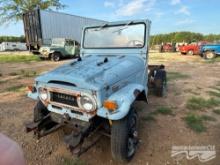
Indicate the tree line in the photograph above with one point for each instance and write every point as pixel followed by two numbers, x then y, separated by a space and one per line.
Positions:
pixel 187 37
pixel 154 40
pixel 12 39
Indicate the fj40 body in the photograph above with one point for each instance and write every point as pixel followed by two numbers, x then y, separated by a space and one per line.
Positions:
pixel 96 92
pixel 59 48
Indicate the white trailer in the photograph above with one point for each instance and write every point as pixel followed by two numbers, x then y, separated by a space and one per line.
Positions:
pixel 12 46
pixel 41 26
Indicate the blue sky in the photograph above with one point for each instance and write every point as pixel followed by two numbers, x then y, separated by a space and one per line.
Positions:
pixel 166 15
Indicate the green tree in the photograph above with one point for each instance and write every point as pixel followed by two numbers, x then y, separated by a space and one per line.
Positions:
pixel 12 10
pixel 12 39
pixel 183 37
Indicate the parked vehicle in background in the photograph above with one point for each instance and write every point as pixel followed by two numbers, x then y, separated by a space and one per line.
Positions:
pixel 168 47
pixel 191 49
pixel 97 92
pixel 60 48
pixel 40 26
pixel 12 46
pixel 210 51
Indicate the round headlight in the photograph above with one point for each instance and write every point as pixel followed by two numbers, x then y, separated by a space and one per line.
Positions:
pixel 43 94
pixel 87 103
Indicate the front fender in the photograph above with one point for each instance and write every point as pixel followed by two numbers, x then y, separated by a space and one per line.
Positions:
pixel 124 98
pixel 51 51
pixel 33 96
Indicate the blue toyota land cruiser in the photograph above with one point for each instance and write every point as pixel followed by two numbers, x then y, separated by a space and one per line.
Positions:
pixel 97 90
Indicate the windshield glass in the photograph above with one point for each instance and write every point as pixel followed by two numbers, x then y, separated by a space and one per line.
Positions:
pixel 58 42
pixel 123 36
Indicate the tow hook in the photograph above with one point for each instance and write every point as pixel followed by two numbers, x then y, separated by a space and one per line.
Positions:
pixel 42 127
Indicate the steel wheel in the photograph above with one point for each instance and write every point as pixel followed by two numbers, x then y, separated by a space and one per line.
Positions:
pixel 56 57
pixel 209 55
pixel 190 52
pixel 124 137
pixel 133 135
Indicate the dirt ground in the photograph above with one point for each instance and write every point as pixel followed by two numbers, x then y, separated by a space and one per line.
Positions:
pixel 156 136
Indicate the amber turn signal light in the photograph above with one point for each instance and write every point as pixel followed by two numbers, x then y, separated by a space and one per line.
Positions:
pixel 31 89
pixel 110 105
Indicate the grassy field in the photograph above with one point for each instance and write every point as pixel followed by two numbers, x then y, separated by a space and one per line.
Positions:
pixel 18 58
pixel 189 114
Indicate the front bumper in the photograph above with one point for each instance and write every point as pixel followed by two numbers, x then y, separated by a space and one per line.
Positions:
pixel 44 54
pixel 71 111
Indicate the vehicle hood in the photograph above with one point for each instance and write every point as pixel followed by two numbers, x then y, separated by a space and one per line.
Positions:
pixel 44 48
pixel 48 48
pixel 212 45
pixel 93 73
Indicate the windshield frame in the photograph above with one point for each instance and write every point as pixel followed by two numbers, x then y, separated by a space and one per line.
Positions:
pixel 58 45
pixel 115 25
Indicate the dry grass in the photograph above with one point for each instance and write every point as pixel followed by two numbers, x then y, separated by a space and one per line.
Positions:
pixel 16 88
pixel 176 75
pixel 216 111
pixel 69 161
pixel 164 110
pixel 24 73
pixel 149 117
pixel 199 103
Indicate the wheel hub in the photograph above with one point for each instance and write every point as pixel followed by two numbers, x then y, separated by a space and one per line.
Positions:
pixel 56 58
pixel 209 55
pixel 131 146
pixel 133 136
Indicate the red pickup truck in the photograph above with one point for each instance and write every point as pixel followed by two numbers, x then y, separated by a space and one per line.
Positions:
pixel 191 49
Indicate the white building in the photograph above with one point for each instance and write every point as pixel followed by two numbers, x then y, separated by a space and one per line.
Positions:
pixel 12 46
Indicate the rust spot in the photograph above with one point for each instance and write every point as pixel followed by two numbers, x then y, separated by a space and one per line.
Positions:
pixel 72 108
pixel 73 93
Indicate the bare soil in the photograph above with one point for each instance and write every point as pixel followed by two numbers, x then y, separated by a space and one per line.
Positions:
pixel 156 137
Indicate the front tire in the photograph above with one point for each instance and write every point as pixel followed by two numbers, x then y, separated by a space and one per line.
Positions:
pixel 161 86
pixel 182 53
pixel 56 56
pixel 209 55
pixel 124 137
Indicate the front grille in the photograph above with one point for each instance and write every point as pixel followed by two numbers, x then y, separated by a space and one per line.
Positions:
pixel 64 99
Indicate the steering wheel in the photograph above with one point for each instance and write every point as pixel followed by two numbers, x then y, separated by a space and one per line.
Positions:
pixel 135 43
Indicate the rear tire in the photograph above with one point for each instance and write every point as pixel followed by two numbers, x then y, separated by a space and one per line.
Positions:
pixel 124 137
pixel 209 55
pixel 160 88
pixel 56 56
